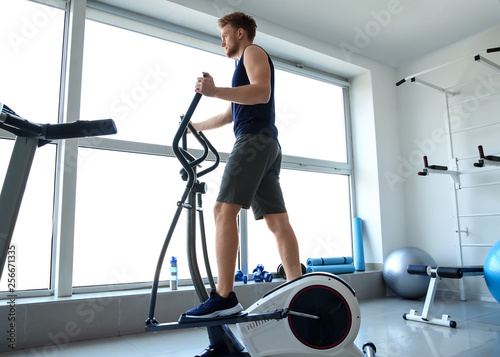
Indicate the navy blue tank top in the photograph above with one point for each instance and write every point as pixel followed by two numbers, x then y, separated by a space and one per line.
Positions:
pixel 253 119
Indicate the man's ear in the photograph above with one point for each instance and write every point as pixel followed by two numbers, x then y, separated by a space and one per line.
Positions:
pixel 241 33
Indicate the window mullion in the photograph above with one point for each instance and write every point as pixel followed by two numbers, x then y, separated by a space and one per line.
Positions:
pixel 67 150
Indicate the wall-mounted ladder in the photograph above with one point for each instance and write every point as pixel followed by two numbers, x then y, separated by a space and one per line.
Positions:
pixel 473 133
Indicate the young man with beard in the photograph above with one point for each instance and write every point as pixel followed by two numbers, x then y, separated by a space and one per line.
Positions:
pixel 251 176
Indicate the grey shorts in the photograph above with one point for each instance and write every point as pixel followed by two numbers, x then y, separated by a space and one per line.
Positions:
pixel 251 176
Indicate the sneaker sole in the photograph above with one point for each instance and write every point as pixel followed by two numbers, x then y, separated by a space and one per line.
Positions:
pixel 228 312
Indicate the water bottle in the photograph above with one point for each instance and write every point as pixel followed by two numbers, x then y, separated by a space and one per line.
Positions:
pixel 173 274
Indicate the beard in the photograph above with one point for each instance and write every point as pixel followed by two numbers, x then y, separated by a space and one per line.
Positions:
pixel 231 52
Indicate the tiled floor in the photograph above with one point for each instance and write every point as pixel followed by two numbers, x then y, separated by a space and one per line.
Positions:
pixel 477 334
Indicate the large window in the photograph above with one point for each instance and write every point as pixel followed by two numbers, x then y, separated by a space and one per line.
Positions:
pixel 30 68
pixel 128 184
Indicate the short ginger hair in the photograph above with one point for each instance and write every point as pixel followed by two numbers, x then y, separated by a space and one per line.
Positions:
pixel 239 20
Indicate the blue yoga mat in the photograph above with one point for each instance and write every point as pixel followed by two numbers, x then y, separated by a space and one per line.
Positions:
pixel 359 254
pixel 334 269
pixel 329 261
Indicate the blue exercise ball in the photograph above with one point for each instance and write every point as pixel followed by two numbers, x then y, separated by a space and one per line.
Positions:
pixel 492 271
pixel 397 278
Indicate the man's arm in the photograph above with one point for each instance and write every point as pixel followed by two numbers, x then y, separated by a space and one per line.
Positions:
pixel 216 121
pixel 259 75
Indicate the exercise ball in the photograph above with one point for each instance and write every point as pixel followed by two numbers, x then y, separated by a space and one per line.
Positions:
pixel 396 277
pixel 492 271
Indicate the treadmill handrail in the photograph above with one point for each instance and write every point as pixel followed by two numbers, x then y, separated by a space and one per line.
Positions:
pixel 19 126
pixel 77 129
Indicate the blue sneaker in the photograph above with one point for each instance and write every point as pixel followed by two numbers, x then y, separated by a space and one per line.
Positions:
pixel 216 306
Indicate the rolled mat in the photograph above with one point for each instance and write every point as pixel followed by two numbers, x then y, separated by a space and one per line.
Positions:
pixel 329 261
pixel 359 254
pixel 334 269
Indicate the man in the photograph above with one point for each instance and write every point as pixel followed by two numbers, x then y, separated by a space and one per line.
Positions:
pixel 251 176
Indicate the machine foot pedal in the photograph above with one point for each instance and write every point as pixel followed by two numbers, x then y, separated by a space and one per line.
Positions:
pixel 183 319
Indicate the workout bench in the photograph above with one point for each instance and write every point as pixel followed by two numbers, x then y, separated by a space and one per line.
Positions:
pixel 435 273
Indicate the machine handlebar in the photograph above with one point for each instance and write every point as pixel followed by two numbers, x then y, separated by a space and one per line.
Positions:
pixel 188 161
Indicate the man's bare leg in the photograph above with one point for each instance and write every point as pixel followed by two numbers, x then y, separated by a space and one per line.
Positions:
pixel 226 245
pixel 286 240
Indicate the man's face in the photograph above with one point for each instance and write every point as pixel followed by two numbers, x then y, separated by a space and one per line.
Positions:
pixel 230 40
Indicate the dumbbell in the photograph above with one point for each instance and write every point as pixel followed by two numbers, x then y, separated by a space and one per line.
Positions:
pixel 239 276
pixel 259 274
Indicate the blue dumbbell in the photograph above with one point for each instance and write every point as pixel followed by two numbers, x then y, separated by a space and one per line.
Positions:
pixel 268 277
pixel 239 276
pixel 259 274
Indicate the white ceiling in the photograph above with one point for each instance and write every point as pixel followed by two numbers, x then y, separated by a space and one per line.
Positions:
pixel 388 31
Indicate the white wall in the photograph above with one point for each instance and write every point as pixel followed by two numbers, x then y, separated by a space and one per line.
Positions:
pixel 430 215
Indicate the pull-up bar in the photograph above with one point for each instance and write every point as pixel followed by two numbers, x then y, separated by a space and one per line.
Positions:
pixel 477 57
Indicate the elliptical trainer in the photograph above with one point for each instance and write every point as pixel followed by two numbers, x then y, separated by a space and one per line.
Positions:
pixel 316 314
